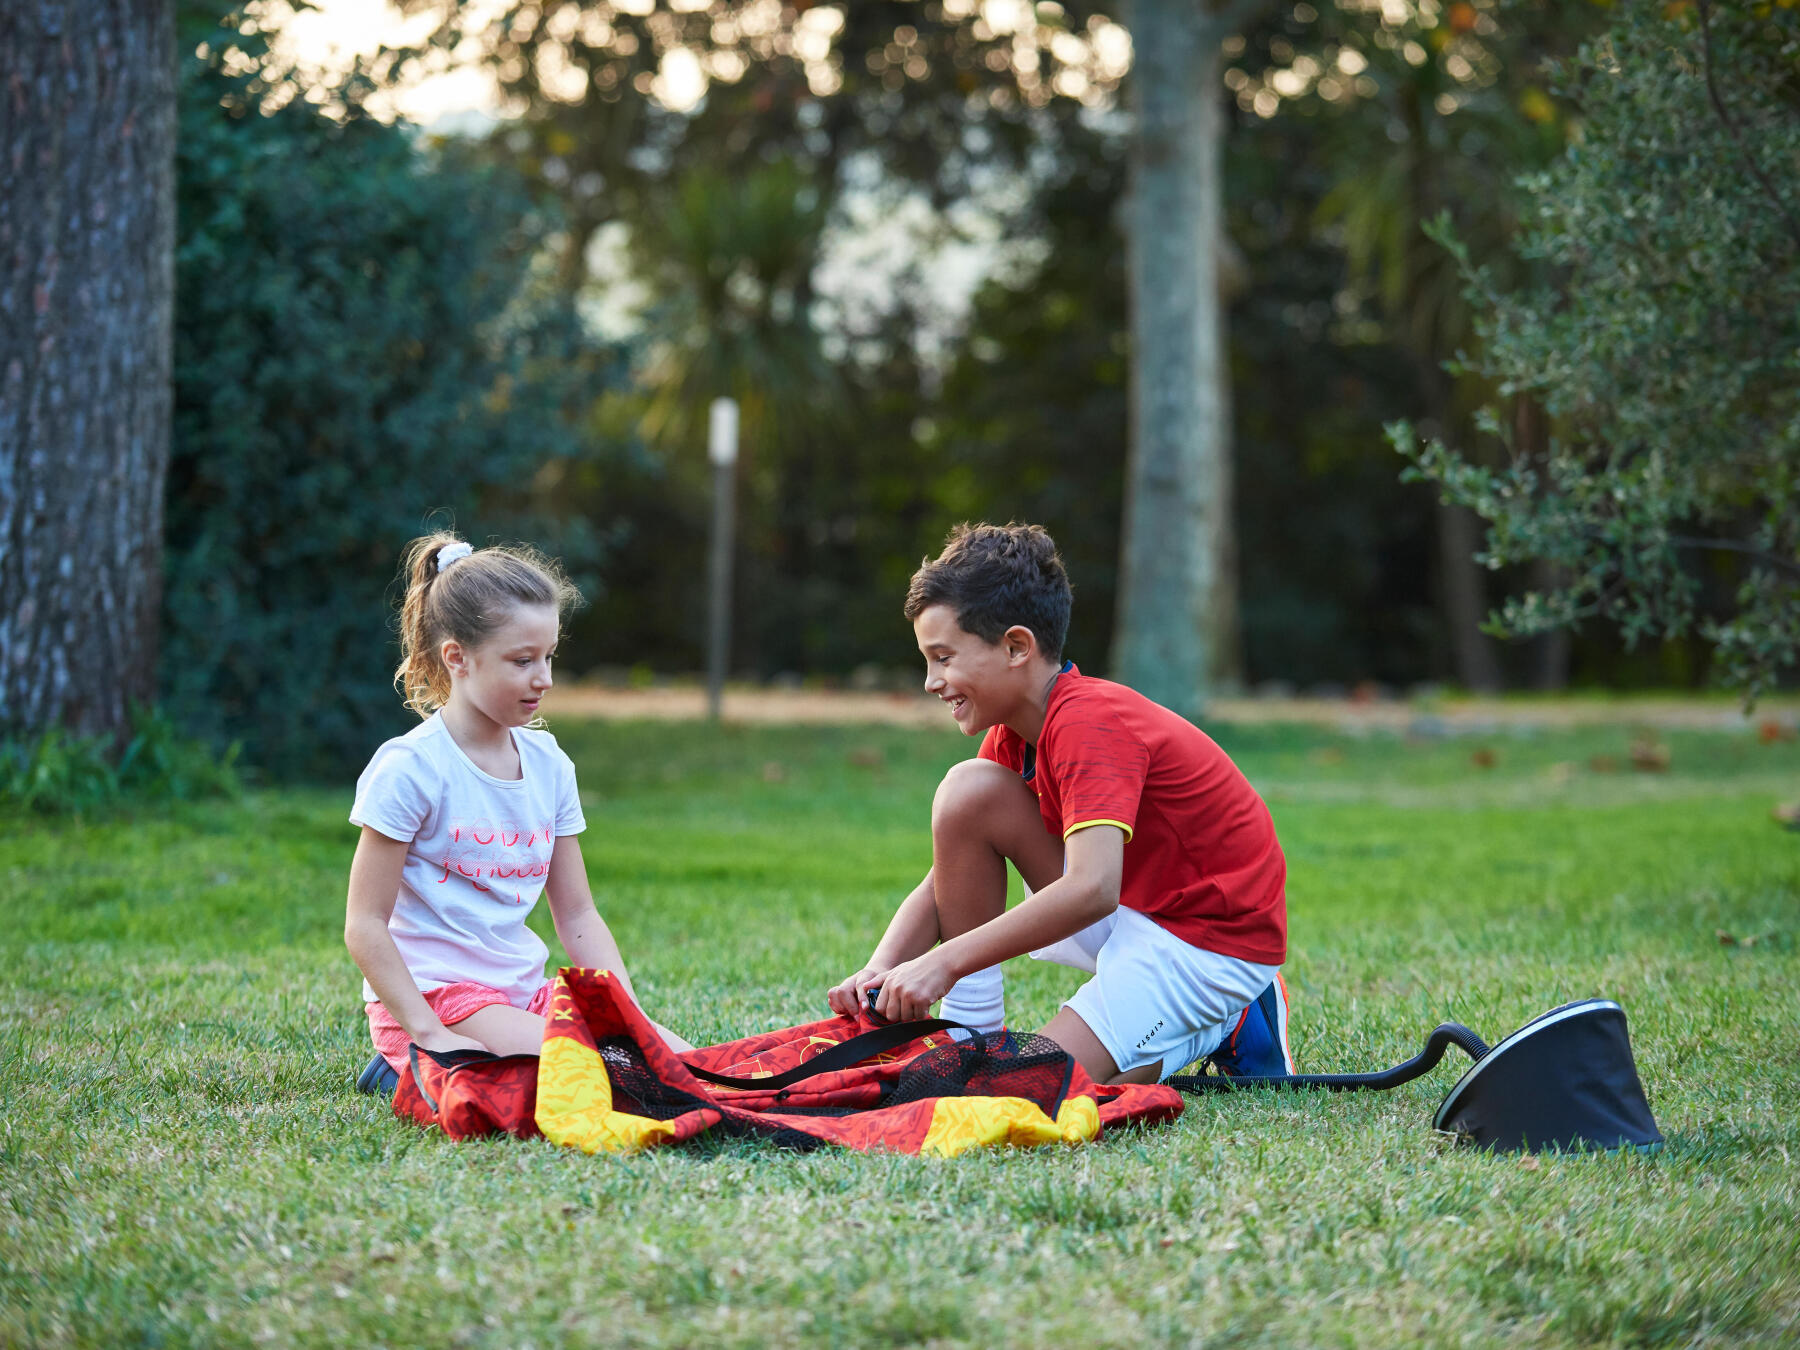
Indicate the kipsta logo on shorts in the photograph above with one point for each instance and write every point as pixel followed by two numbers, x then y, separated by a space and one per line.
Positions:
pixel 1150 1035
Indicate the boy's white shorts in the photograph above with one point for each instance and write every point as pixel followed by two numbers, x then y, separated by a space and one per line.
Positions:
pixel 1155 998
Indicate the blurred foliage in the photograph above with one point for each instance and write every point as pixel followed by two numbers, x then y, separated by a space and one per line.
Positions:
pixel 1662 346
pixel 362 340
pixel 55 773
pixel 1380 118
pixel 1024 416
pixel 727 205
pixel 374 324
pixel 933 94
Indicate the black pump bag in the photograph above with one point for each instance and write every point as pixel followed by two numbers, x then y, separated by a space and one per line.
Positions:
pixel 1565 1080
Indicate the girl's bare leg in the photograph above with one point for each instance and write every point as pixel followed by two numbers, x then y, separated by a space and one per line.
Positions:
pixel 504 1029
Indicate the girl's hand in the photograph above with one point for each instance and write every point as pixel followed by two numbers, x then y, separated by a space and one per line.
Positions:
pixel 848 999
pixel 910 988
pixel 443 1040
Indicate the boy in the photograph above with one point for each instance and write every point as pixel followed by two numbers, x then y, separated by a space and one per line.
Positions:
pixel 1149 859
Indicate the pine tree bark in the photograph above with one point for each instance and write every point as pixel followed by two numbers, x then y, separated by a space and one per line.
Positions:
pixel 1176 631
pixel 87 238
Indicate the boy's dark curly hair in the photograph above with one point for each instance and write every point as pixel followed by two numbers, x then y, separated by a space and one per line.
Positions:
pixel 995 576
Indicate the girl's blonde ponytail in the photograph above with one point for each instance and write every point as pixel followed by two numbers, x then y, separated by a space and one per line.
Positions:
pixel 466 601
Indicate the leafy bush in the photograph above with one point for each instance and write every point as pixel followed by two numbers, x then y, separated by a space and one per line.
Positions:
pixel 363 344
pixel 57 774
pixel 1662 349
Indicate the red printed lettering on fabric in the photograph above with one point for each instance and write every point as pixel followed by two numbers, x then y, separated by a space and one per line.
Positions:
pixel 494 851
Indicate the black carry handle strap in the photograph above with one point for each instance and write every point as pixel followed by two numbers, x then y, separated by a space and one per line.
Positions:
pixel 843 1055
pixel 1441 1039
pixel 449 1059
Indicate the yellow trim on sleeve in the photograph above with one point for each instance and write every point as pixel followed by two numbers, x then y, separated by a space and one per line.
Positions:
pixel 1083 824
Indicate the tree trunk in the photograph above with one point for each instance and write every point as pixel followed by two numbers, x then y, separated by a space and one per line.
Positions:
pixel 87 287
pixel 1464 597
pixel 1461 583
pixel 1550 651
pixel 1176 632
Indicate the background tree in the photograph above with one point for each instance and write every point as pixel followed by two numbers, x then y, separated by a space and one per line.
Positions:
pixel 1419 109
pixel 87 222
pixel 1177 608
pixel 909 106
pixel 363 341
pixel 1032 411
pixel 1663 351
pixel 891 419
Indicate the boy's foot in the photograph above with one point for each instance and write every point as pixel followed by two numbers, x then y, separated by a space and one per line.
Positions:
pixel 1258 1045
pixel 378 1077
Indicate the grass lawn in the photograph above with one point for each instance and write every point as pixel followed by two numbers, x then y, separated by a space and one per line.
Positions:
pixel 182 1160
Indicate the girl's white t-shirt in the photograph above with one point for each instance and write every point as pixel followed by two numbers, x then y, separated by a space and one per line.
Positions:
pixel 480 851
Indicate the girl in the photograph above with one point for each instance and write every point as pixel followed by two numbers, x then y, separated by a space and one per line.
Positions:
pixel 470 816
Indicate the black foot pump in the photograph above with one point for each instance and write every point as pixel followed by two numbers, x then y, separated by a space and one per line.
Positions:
pixel 1565 1080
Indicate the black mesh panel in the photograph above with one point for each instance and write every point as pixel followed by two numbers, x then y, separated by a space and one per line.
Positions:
pixel 638 1091
pixel 1000 1064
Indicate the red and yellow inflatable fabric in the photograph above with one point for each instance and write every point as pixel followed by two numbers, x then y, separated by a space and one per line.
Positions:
pixel 606 1083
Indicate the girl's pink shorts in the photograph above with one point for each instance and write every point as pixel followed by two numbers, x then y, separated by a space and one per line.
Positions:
pixel 451 1003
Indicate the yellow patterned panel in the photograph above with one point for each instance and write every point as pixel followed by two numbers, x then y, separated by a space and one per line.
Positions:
pixel 574 1103
pixel 962 1123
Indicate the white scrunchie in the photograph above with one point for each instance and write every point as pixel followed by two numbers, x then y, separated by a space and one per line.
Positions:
pixel 449 553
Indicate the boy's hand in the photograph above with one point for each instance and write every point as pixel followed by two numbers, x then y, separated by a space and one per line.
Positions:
pixel 847 999
pixel 910 988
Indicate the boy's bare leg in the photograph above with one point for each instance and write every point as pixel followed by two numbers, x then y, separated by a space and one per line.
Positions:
pixel 984 814
pixel 1074 1035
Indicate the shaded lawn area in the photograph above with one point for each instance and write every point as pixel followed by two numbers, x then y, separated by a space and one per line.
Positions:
pixel 182 1161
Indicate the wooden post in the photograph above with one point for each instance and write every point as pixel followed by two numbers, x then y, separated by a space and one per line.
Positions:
pixel 721 450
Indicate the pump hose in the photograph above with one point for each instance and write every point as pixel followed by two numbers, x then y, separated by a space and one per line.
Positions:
pixel 1446 1035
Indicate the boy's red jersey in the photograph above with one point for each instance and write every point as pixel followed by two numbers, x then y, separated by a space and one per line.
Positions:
pixel 1201 857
